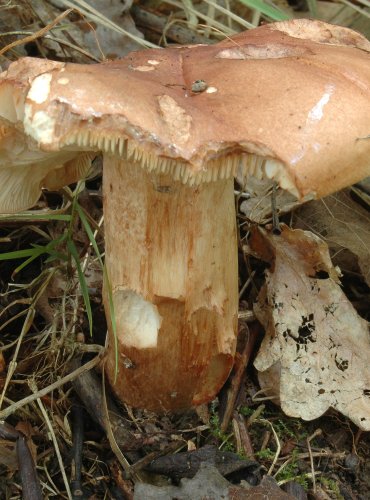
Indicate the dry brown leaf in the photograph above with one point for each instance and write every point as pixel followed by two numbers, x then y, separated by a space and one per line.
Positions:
pixel 344 225
pixel 8 456
pixel 257 207
pixel 312 330
pixel 208 483
pixel 100 40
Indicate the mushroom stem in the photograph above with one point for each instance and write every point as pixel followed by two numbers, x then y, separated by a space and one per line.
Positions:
pixel 171 255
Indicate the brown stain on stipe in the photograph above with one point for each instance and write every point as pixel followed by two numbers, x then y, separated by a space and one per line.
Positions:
pixel 170 268
pixel 196 357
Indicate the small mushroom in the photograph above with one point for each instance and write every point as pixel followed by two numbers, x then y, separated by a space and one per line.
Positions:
pixel 291 103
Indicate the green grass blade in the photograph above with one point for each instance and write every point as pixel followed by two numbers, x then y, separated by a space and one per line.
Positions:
pixel 21 254
pixel 266 9
pixel 84 289
pixel 107 284
pixel 25 264
pixel 31 216
pixel 312 7
pixel 89 233
pixel 112 320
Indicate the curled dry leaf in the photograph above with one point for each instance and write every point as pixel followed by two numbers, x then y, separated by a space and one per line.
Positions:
pixel 209 483
pixel 257 207
pixel 345 226
pixel 314 336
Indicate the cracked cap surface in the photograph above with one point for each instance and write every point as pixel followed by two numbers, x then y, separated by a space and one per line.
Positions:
pixel 288 101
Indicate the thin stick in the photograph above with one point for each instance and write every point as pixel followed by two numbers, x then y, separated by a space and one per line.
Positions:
pixel 243 440
pixel 4 414
pixel 308 475
pixel 247 315
pixel 275 217
pixel 112 441
pixel 33 387
pixel 31 487
pixel 246 284
pixel 278 446
pixel 255 415
pixel 77 440
pixel 237 376
pixel 13 364
pixel 38 34
pixel 309 439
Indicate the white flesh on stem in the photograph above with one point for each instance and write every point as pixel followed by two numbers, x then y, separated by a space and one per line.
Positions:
pixel 171 257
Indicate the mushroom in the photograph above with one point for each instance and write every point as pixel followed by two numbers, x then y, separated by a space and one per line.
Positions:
pixel 288 101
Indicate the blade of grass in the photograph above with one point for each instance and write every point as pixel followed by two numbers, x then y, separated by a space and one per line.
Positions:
pixel 21 254
pixel 84 289
pixel 94 15
pixel 107 284
pixel 31 216
pixel 89 233
pixel 268 10
pixel 230 14
pixel 209 21
pixel 363 12
pixel 312 7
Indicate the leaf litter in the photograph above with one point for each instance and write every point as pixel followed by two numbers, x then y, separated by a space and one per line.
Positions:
pixel 314 337
pixel 93 32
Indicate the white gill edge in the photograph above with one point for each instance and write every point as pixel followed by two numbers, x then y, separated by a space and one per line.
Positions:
pixel 247 164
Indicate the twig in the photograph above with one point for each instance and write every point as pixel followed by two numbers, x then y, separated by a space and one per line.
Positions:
pixel 27 470
pixel 150 457
pixel 13 364
pixel 38 34
pixel 247 315
pixel 324 453
pixel 255 415
pixel 112 441
pixel 56 40
pixel 278 446
pixel 167 28
pixel 246 284
pixel 237 376
pixel 77 438
pixel 88 387
pixel 33 387
pixel 275 217
pixel 309 439
pixel 302 456
pixel 4 414
pixel 243 440
pixel 30 482
pixel 309 475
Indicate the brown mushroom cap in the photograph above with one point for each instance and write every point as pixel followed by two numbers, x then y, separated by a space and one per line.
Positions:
pixel 289 101
pixel 24 167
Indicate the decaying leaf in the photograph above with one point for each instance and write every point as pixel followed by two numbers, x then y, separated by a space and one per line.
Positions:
pixel 313 333
pixel 344 225
pixel 257 207
pixel 209 484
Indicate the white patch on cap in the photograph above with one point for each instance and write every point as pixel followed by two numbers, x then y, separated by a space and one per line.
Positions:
pixel 40 126
pixel 40 88
pixel 153 62
pixel 178 122
pixel 142 68
pixel 315 115
pixel 211 90
pixel 317 112
pixel 138 321
pixel 267 51
pixel 63 81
